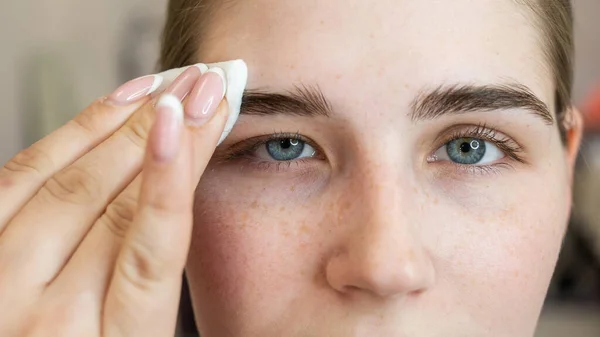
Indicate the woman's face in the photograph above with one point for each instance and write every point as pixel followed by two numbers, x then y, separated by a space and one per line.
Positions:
pixel 395 172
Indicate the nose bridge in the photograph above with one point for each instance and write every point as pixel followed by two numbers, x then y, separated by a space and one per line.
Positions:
pixel 382 253
pixel 385 196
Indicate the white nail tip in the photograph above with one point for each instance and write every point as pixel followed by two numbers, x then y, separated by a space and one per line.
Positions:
pixel 221 73
pixel 158 80
pixel 203 67
pixel 236 74
pixel 172 103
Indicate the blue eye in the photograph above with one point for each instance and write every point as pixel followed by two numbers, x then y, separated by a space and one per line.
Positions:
pixel 466 150
pixel 285 149
pixel 469 151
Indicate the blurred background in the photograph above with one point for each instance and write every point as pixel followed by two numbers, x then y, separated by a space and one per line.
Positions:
pixel 59 55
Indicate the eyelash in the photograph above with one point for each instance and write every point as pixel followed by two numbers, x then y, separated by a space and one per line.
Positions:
pixel 244 149
pixel 481 131
pixel 508 146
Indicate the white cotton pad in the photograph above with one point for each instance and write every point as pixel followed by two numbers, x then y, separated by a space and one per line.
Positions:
pixel 236 73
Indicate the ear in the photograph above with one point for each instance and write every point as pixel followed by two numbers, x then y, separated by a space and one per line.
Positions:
pixel 574 132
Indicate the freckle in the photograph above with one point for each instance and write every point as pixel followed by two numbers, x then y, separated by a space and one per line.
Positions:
pixel 293 188
pixel 304 229
pixel 414 190
pixel 282 209
pixel 435 201
pixel 254 204
pixel 322 22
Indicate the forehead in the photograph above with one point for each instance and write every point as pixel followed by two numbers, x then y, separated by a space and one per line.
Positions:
pixel 380 44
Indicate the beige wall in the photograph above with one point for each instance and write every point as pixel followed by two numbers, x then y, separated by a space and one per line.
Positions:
pixel 80 40
pixel 74 44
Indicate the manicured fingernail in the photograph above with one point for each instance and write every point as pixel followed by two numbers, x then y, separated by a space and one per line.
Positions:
pixel 184 83
pixel 135 89
pixel 166 131
pixel 203 67
pixel 206 96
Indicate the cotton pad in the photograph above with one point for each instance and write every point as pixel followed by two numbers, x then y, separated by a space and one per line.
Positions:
pixel 236 73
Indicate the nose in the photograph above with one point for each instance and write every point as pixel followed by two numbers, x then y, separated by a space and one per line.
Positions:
pixel 381 253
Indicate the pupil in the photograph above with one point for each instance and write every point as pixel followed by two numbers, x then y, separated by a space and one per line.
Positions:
pixel 286 143
pixel 465 147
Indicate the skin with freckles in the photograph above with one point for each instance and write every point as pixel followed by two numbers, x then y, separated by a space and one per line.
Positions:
pixel 379 231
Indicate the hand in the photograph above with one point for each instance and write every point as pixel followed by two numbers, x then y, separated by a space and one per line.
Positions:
pixel 96 218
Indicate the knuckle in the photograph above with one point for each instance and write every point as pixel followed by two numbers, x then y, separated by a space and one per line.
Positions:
pixel 74 185
pixel 86 123
pixel 119 216
pixel 29 161
pixel 138 130
pixel 91 120
pixel 164 208
pixel 141 267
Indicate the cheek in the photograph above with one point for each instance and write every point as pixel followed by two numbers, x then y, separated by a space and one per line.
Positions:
pixel 503 249
pixel 247 239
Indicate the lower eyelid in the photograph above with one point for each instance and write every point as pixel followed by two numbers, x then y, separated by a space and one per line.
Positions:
pixel 458 171
pixel 300 166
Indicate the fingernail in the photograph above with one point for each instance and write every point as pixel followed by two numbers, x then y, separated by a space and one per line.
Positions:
pixel 135 89
pixel 184 83
pixel 206 96
pixel 166 131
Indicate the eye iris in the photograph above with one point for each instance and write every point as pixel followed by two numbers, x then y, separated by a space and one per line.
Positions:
pixel 466 150
pixel 285 149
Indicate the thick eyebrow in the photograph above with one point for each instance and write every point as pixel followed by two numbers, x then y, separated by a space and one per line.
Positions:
pixel 309 101
pixel 302 100
pixel 460 99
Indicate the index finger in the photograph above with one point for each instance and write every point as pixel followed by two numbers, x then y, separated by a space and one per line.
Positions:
pixel 25 174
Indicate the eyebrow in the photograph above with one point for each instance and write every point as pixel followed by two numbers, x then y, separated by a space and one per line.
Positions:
pixel 309 101
pixel 461 99
pixel 302 100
